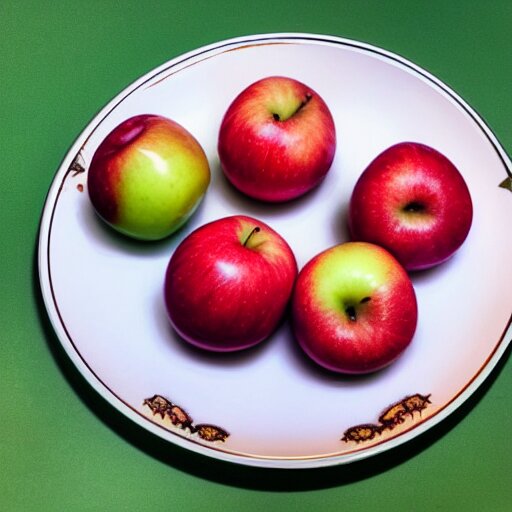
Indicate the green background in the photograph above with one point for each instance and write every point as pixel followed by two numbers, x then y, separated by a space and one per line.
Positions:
pixel 61 447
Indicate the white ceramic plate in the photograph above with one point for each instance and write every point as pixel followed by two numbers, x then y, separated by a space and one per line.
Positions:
pixel 103 292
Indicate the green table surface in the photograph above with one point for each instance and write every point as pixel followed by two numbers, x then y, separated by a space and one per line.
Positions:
pixel 61 446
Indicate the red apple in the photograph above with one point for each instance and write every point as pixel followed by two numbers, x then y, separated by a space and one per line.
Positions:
pixel 414 202
pixel 277 139
pixel 147 177
pixel 228 283
pixel 354 308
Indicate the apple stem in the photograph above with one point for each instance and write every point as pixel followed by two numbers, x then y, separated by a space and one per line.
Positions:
pixel 303 103
pixel 255 230
pixel 351 312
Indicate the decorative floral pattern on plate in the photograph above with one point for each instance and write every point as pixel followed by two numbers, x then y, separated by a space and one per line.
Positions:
pixel 394 415
pixel 182 420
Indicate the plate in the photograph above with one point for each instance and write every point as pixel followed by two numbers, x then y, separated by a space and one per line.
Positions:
pixel 269 406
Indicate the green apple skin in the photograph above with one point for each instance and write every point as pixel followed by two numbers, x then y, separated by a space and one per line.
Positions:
pixel 147 177
pixel 354 308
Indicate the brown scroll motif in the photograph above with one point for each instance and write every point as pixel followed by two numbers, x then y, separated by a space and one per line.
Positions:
pixel 394 415
pixel 181 419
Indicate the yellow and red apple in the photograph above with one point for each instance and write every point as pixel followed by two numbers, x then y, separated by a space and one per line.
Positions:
pixel 147 177
pixel 354 308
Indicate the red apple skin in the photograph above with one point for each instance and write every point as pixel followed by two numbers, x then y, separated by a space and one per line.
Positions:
pixel 414 202
pixel 222 295
pixel 381 324
pixel 277 140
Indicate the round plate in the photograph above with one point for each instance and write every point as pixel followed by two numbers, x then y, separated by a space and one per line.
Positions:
pixel 270 406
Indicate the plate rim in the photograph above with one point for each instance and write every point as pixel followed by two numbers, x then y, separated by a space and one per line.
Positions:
pixel 65 340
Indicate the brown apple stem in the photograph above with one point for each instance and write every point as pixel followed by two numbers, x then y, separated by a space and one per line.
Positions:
pixel 303 103
pixel 351 312
pixel 255 230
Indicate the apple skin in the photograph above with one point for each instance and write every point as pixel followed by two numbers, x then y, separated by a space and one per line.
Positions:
pixel 147 177
pixel 222 295
pixel 354 308
pixel 414 202
pixel 277 140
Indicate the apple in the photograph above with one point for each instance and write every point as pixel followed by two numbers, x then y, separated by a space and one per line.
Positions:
pixel 414 202
pixel 147 177
pixel 228 284
pixel 354 308
pixel 277 139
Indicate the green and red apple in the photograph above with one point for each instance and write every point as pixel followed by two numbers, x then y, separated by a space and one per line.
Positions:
pixel 412 200
pixel 354 308
pixel 147 177
pixel 277 139
pixel 228 284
